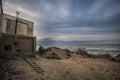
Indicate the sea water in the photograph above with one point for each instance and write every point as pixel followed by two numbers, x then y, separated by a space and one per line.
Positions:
pixel 113 50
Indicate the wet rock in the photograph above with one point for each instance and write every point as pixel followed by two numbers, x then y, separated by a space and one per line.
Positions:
pixel 105 56
pixel 92 55
pixel 117 58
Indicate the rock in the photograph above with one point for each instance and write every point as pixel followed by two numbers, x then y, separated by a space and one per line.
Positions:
pixel 117 58
pixel 68 53
pixel 52 55
pixel 82 53
pixel 41 50
pixel 105 56
pixel 56 53
pixel 67 50
pixel 92 55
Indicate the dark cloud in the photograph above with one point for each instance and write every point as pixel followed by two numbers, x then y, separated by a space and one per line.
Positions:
pixel 78 17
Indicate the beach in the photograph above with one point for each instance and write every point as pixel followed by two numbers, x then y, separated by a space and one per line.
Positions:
pixel 74 67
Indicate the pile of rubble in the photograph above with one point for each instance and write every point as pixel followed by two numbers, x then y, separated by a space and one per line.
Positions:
pixel 7 72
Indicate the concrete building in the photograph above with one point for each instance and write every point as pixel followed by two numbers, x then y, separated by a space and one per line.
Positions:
pixel 21 43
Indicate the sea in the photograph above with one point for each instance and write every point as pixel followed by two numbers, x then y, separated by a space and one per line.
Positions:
pixel 112 49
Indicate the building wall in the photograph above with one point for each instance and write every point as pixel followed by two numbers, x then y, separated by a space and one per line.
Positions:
pixel 8 25
pixel 3 24
pixel 23 46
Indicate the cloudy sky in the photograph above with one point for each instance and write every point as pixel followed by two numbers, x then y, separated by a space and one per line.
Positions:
pixel 67 20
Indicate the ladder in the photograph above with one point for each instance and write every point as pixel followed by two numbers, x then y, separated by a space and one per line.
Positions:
pixel 34 65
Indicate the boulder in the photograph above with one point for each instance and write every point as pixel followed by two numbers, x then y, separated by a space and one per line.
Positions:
pixel 41 50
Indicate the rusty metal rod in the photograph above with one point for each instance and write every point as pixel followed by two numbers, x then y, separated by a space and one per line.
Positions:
pixel 16 25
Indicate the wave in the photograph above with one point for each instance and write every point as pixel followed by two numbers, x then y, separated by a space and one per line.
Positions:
pixel 102 49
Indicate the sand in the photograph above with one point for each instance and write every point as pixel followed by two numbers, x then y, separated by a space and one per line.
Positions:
pixel 74 68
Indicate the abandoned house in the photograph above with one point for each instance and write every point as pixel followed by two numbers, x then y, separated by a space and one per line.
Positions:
pixel 16 37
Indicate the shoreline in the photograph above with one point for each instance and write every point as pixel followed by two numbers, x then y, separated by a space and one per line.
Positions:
pixel 113 50
pixel 51 51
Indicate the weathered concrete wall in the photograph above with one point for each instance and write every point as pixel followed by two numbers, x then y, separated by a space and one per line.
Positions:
pixel 24 45
pixel 2 24
pixel 8 25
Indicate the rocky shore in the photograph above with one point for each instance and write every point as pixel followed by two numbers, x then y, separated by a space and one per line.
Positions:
pixel 58 53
